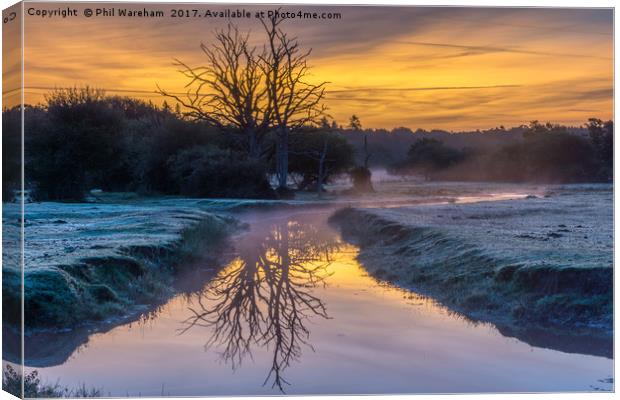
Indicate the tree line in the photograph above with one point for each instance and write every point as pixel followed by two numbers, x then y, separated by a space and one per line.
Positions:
pixel 81 139
pixel 546 153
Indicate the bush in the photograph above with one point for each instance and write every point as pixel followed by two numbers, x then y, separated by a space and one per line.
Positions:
pixel 427 157
pixel 33 388
pixel 76 146
pixel 602 139
pixel 11 152
pixel 546 153
pixel 306 149
pixel 361 177
pixel 543 157
pixel 83 140
pixel 152 147
pixel 206 171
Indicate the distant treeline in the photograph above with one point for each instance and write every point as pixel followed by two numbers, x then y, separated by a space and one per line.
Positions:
pixel 389 146
pixel 81 139
pixel 543 153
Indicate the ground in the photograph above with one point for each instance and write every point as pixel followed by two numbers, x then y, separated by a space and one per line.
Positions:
pixel 88 261
pixel 544 262
pixel 491 251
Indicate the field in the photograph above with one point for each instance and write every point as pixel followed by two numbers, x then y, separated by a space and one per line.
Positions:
pixel 532 261
pixel 90 261
pixel 543 263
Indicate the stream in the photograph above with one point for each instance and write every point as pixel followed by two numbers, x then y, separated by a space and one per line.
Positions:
pixel 294 312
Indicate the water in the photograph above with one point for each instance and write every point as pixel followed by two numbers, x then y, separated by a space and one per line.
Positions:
pixel 294 312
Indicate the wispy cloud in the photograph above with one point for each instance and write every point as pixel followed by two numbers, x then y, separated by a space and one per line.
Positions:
pixel 417 89
pixel 432 67
pixel 476 50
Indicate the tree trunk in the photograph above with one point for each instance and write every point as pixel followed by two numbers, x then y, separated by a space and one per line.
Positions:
pixel 366 154
pixel 254 150
pixel 321 176
pixel 282 158
pixel 319 185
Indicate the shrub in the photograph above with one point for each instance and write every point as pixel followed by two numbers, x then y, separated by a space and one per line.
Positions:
pixel 361 177
pixel 429 156
pixel 206 171
pixel 33 388
pixel 309 146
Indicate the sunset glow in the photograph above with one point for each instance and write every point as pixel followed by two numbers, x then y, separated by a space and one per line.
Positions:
pixel 419 67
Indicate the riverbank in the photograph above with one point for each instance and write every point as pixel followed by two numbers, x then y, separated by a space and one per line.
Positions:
pixel 33 388
pixel 99 259
pixel 534 267
pixel 91 261
pixel 109 259
pixel 293 278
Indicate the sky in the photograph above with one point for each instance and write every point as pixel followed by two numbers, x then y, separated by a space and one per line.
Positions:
pixel 419 67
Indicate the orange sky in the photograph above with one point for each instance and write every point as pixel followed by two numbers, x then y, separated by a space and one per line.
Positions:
pixel 420 67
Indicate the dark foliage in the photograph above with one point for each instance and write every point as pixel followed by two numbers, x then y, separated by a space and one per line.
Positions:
pixel 602 138
pixel 82 139
pixel 213 172
pixel 362 182
pixel 152 147
pixel 427 156
pixel 545 153
pixel 76 146
pixel 544 157
pixel 390 146
pixel 11 152
pixel 318 154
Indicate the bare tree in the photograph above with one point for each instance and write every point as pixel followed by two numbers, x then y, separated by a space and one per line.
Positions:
pixel 254 92
pixel 320 156
pixel 231 90
pixel 294 101
pixel 265 297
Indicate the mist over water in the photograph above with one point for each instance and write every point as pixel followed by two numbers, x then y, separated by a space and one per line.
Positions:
pixel 295 312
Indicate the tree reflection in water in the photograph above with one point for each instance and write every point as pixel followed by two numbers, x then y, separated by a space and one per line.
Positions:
pixel 264 297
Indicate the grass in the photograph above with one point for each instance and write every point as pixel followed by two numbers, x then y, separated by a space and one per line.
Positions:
pixel 100 287
pixel 33 388
pixel 483 288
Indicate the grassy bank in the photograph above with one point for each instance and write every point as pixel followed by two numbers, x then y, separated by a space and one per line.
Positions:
pixel 525 297
pixel 111 282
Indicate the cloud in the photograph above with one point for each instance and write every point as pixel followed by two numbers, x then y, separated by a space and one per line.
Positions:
pixel 416 89
pixel 476 50
pixel 443 67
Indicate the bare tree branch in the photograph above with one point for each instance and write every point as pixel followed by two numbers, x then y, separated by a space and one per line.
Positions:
pixel 230 90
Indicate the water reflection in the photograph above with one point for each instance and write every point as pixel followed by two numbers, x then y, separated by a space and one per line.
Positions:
pixel 264 297
pixel 381 339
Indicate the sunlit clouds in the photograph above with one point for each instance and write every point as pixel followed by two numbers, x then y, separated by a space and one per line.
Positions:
pixel 450 68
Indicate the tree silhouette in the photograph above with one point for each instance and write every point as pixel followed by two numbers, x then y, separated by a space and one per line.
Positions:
pixel 265 296
pixel 431 155
pixel 254 92
pixel 316 155
pixel 230 90
pixel 601 136
pixel 355 123
pixel 294 101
